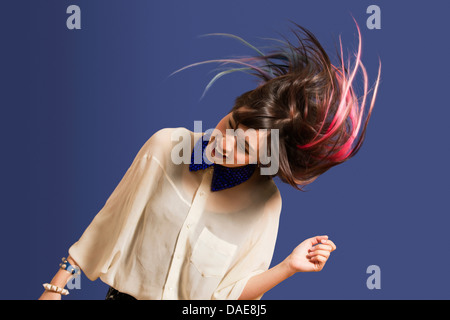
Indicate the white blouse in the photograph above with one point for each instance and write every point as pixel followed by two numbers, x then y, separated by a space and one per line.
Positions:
pixel 163 234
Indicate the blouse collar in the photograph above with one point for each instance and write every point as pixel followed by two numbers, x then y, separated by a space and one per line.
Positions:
pixel 223 177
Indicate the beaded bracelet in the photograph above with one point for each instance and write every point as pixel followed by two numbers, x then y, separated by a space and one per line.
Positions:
pixel 53 288
pixel 65 265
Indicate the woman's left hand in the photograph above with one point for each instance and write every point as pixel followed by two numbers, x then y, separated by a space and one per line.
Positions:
pixel 310 255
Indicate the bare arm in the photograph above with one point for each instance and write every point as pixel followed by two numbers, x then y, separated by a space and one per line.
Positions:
pixel 60 280
pixel 310 255
pixel 265 281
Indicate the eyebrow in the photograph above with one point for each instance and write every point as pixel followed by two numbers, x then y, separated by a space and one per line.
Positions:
pixel 247 146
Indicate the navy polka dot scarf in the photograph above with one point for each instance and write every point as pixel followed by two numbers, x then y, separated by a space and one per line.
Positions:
pixel 223 177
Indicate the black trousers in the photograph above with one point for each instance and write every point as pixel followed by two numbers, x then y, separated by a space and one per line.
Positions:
pixel 113 294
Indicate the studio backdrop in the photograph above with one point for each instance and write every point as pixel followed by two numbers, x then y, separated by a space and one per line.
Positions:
pixel 84 84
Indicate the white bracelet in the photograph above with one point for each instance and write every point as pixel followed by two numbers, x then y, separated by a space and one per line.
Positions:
pixel 53 288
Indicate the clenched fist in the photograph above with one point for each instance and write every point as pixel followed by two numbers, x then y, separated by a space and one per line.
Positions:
pixel 311 255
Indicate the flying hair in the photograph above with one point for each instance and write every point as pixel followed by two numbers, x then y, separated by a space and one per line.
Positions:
pixel 322 122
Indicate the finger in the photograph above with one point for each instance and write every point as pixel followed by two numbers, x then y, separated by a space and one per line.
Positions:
pixel 319 259
pixel 324 253
pixel 327 241
pixel 322 247
pixel 317 239
pixel 331 243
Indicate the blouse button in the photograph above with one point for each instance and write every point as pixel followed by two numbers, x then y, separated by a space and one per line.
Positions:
pixel 202 193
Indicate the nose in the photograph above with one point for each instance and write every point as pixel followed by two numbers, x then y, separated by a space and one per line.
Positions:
pixel 225 145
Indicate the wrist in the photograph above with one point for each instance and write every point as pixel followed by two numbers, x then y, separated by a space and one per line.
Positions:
pixel 50 295
pixel 288 268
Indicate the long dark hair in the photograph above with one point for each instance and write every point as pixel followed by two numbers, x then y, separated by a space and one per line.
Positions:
pixel 309 100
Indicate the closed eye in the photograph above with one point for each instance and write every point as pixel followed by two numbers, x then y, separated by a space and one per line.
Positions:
pixel 244 148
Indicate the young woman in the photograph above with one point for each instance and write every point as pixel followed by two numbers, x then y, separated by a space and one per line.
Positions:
pixel 206 229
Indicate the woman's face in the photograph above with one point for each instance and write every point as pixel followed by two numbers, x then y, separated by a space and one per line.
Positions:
pixel 233 147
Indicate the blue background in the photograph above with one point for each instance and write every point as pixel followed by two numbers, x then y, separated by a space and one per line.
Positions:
pixel 78 104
